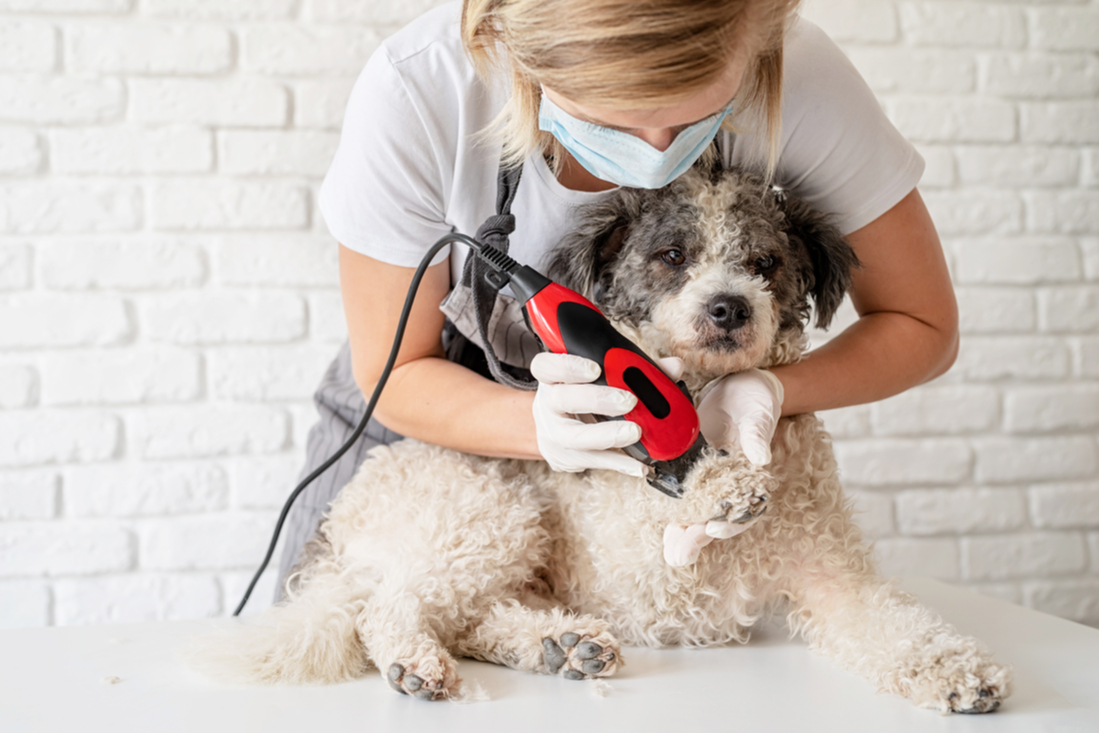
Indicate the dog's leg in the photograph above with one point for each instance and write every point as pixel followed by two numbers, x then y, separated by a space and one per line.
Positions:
pixel 402 644
pixel 840 603
pixel 869 626
pixel 548 640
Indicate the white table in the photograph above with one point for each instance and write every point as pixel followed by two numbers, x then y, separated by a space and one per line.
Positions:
pixel 54 680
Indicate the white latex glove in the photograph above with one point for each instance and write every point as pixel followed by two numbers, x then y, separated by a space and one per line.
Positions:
pixel 564 393
pixel 565 442
pixel 742 408
pixel 683 544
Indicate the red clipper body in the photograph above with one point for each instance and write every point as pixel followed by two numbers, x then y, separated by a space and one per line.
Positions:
pixel 568 323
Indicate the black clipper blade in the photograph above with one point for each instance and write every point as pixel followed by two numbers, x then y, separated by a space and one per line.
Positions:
pixel 668 476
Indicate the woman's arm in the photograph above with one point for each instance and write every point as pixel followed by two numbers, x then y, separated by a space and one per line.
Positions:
pixel 426 397
pixel 907 332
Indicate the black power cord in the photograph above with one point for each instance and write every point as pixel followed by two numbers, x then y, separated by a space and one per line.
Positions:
pixel 476 247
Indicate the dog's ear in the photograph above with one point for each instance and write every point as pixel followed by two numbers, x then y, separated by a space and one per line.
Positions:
pixel 832 259
pixel 581 261
pixel 709 165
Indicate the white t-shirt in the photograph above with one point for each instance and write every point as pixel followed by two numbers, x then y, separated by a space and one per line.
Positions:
pixel 410 169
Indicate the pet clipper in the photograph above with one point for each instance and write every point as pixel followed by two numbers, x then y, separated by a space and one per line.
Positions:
pixel 568 323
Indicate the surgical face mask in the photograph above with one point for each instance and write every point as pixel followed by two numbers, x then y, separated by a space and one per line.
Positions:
pixel 623 159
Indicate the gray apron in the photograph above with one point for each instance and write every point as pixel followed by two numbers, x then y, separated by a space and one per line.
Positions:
pixel 481 324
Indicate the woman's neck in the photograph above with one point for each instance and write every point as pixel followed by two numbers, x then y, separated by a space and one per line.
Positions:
pixel 575 177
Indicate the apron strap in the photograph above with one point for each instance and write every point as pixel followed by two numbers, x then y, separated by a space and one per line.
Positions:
pixel 494 232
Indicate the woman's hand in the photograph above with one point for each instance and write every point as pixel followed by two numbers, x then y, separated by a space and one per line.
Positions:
pixel 739 408
pixel 565 392
pixel 568 444
pixel 683 544
pixel 743 408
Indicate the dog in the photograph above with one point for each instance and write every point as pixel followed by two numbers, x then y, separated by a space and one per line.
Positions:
pixel 429 553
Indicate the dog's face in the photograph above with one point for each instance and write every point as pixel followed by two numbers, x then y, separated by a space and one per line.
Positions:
pixel 717 269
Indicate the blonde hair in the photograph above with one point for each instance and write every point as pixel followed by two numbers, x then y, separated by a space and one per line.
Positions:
pixel 626 54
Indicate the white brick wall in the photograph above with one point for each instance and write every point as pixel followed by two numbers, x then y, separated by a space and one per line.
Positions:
pixel 988 477
pixel 168 294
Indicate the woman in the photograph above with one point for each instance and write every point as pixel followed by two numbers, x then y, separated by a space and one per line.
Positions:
pixel 583 96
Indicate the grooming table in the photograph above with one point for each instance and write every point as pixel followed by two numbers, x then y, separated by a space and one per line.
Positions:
pixel 126 677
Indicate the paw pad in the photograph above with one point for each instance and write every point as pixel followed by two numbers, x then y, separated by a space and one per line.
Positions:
pixel 575 659
pixel 408 683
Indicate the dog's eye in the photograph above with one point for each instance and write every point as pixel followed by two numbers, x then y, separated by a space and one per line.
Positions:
pixel 765 264
pixel 673 257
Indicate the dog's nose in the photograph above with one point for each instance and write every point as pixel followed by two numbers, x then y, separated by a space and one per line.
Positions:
pixel 729 312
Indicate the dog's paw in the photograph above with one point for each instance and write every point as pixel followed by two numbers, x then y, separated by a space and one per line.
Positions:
pixel 746 503
pixel 980 693
pixel 429 678
pixel 957 689
pixel 744 508
pixel 986 701
pixel 729 489
pixel 577 657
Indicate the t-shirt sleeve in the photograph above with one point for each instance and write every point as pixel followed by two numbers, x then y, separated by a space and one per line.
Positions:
pixel 383 194
pixel 839 151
